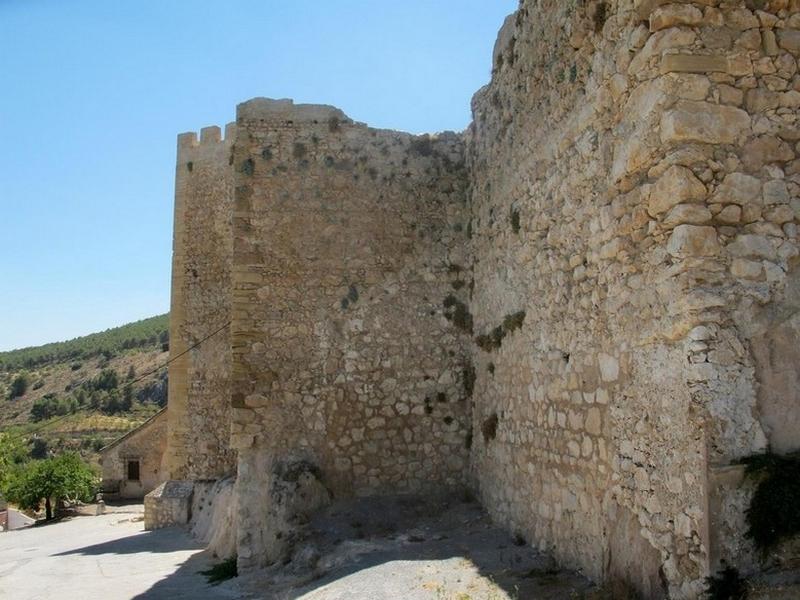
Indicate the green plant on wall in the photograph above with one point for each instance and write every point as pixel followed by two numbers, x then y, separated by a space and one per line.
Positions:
pixel 774 512
pixel 223 571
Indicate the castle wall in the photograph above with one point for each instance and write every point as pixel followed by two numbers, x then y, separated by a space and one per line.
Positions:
pixel 610 161
pixel 199 375
pixel 349 320
pixel 588 309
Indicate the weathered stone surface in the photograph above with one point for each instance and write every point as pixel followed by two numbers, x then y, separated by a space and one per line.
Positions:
pixel 657 43
pixel 764 150
pixel 678 184
pixel 692 63
pixel 730 215
pixel 759 100
pixel 692 240
pixel 748 245
pixel 746 269
pixel 776 192
pixel 769 43
pixel 168 505
pixel 703 122
pixel 675 14
pixel 694 214
pixel 789 39
pixel 738 188
pixel 351 343
pixel 198 419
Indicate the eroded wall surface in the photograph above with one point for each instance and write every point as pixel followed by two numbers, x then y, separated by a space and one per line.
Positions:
pixel 199 374
pixel 634 193
pixel 349 324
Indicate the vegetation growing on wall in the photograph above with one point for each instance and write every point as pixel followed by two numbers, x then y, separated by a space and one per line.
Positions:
pixel 726 585
pixel 457 313
pixel 493 340
pixel 774 512
pixel 223 571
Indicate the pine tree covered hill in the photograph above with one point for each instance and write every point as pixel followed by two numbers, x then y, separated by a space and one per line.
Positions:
pixel 137 335
pixel 84 393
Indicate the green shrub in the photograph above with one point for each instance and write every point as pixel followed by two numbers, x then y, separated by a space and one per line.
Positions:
pixel 726 585
pixel 106 380
pixel 223 571
pixel 774 512
pixel 50 406
pixel 19 386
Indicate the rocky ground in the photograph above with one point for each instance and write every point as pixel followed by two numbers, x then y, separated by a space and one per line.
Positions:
pixel 413 549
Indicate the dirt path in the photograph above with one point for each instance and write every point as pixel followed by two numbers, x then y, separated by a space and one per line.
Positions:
pixel 109 557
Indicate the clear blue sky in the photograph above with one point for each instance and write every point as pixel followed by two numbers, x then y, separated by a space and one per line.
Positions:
pixel 94 93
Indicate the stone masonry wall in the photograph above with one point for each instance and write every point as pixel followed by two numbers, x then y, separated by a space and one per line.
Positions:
pixel 168 505
pixel 349 322
pixel 634 193
pixel 588 308
pixel 199 381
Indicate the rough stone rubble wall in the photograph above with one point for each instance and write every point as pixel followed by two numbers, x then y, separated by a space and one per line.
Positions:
pixel 199 381
pixel 348 254
pixel 635 192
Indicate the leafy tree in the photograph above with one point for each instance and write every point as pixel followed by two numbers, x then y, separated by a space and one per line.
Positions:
pixel 64 477
pixel 127 398
pixel 12 454
pixel 19 386
pixel 112 404
pixel 80 397
pixel 49 406
pixel 107 380
pixel 38 448
pixel 42 409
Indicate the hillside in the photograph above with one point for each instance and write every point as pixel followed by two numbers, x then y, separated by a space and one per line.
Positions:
pixel 84 393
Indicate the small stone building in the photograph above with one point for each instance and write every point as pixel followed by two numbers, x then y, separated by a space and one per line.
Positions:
pixel 132 464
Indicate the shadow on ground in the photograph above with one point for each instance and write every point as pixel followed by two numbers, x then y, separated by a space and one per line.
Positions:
pixel 158 542
pixel 413 549
pixel 397 548
pixel 185 583
pixel 188 583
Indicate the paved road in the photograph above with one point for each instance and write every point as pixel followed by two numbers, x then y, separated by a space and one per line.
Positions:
pixel 109 557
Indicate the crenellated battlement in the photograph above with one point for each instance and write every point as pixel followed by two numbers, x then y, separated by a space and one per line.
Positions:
pixel 208 137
